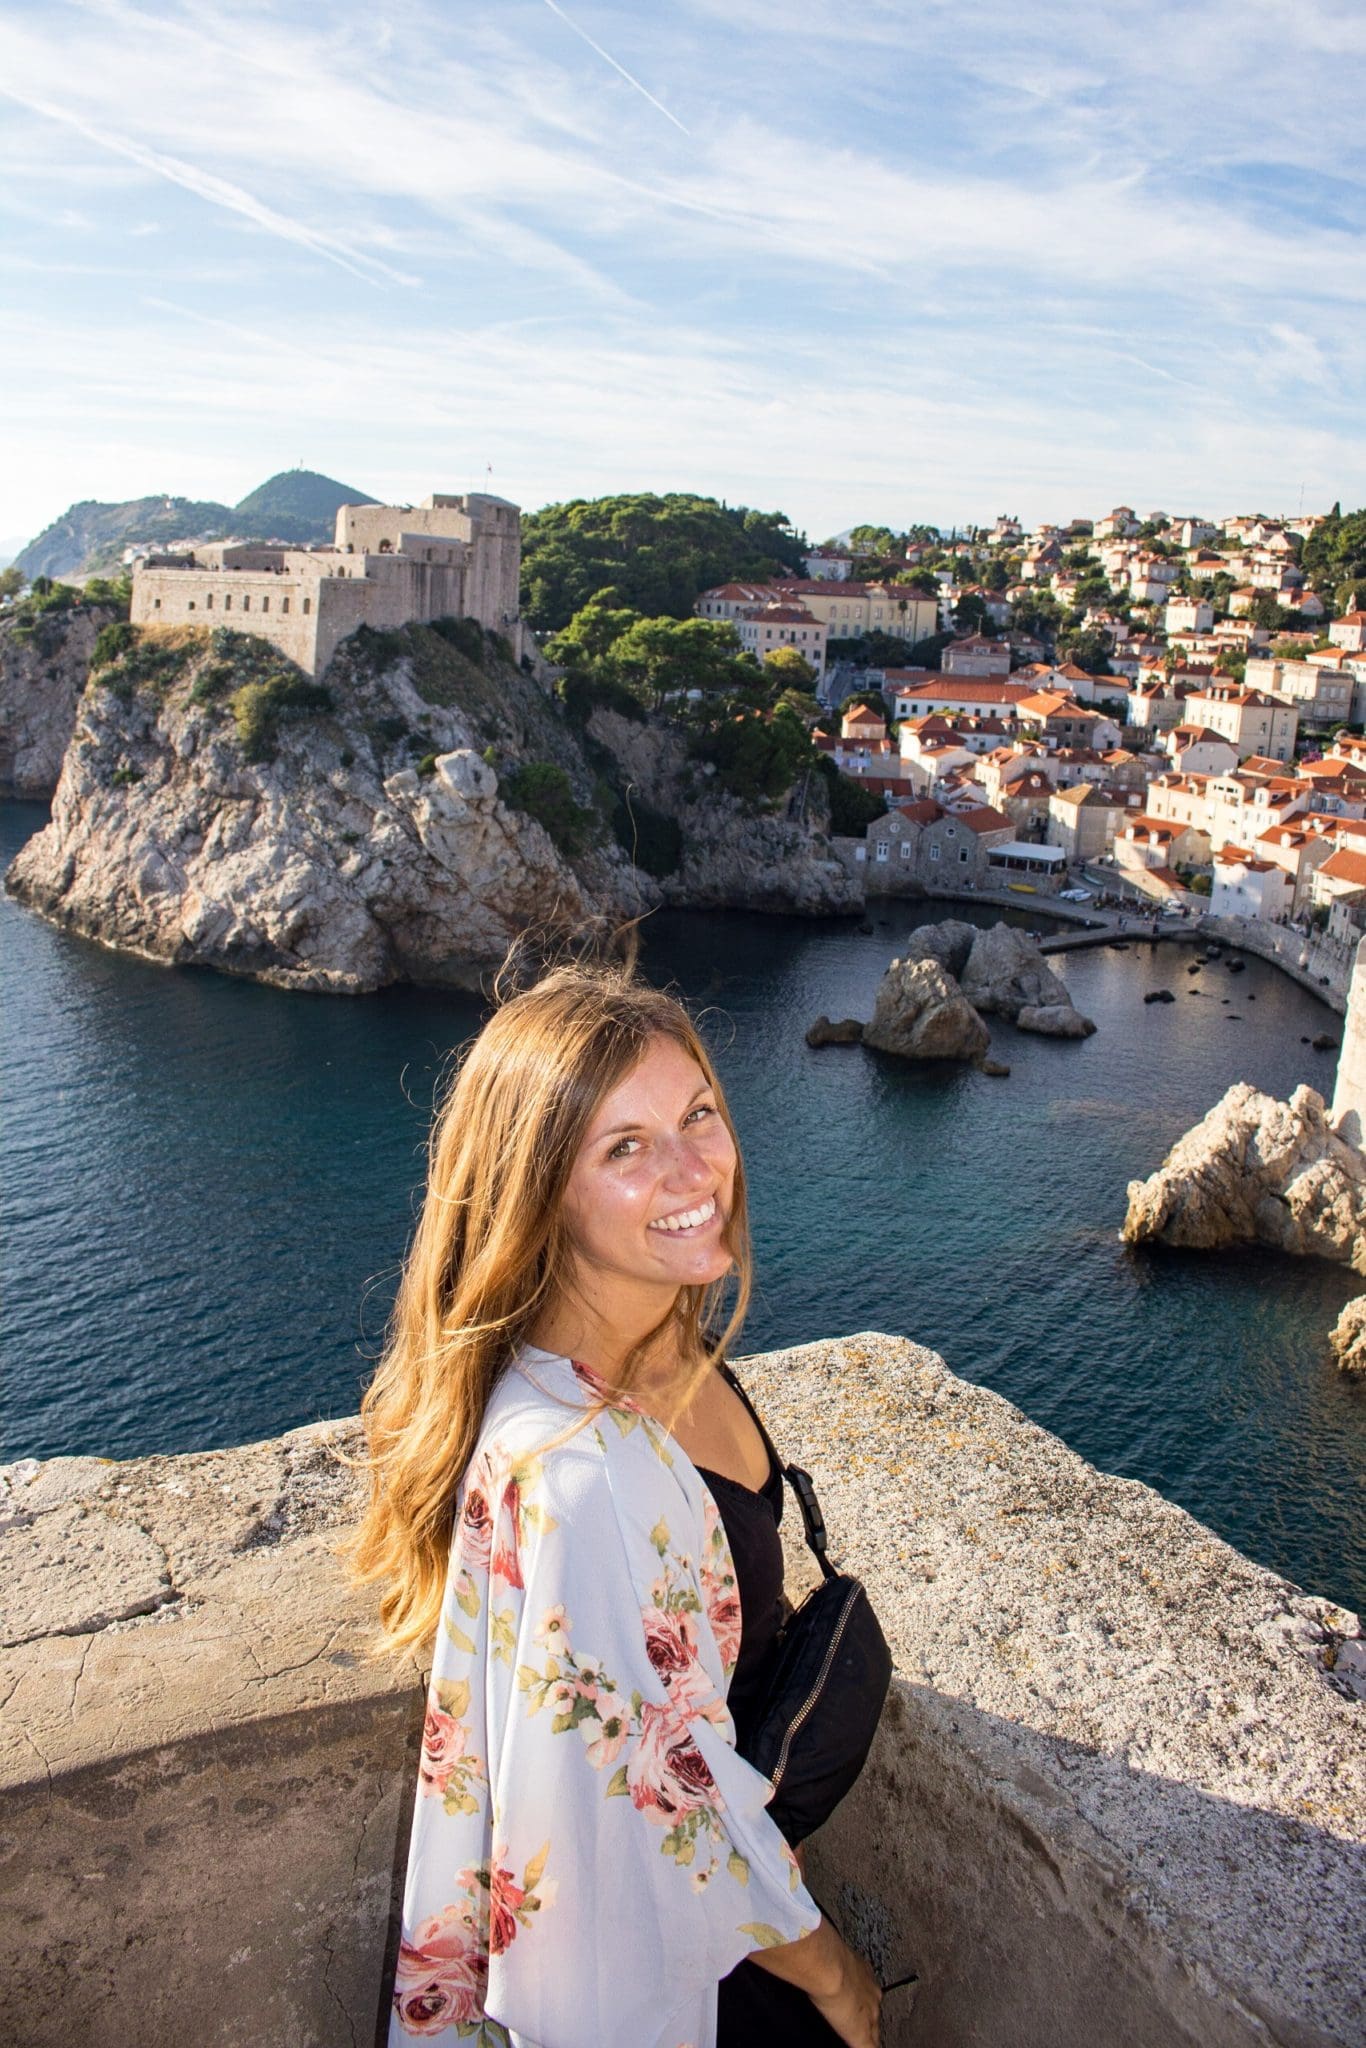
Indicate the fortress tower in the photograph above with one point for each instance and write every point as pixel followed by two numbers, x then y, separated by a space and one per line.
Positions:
pixel 1349 1096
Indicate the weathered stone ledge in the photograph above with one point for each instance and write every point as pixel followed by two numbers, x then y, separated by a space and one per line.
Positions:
pixel 1117 1794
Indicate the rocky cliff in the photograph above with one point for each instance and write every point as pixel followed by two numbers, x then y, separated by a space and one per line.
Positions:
pixel 399 821
pixel 1257 1171
pixel 43 670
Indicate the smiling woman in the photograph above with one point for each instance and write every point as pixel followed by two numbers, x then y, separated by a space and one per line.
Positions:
pixel 572 1502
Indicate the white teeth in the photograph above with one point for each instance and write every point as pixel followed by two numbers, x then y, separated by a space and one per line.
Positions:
pixel 687 1219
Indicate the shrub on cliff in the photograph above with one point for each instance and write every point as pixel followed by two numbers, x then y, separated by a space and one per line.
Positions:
pixel 259 708
pixel 112 642
pixel 756 758
pixel 544 793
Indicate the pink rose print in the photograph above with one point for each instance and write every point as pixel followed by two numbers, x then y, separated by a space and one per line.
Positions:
pixel 507 1564
pixel 443 1743
pixel 670 1641
pixel 441 1975
pixel 475 1534
pixel 504 1898
pixel 667 1775
pixel 724 1615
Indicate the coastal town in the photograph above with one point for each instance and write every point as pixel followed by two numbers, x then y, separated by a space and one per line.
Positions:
pixel 1199 759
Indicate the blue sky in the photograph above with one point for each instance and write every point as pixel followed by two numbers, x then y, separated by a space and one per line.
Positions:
pixel 888 259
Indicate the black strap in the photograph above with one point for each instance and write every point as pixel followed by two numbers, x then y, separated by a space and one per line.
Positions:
pixel 801 1483
pixel 804 1487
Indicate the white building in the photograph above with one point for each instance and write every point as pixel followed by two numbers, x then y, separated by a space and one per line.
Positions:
pixel 1245 886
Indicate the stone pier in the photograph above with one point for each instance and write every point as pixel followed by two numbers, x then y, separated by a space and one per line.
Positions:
pixel 1118 1798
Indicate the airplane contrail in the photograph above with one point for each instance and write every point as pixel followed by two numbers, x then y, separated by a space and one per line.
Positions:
pixel 608 58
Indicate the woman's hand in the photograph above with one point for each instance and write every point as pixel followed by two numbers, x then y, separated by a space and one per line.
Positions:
pixel 854 2011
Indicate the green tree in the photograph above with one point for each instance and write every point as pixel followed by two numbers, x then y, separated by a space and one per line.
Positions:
pixel 853 807
pixel 663 657
pixel 757 757
pixel 788 670
pixel 544 792
pixel 970 613
pixel 11 581
pixel 653 554
pixel 872 540
pixel 1266 611
pixel 1089 650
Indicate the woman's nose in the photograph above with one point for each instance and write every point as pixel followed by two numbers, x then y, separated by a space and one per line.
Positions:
pixel 687 1162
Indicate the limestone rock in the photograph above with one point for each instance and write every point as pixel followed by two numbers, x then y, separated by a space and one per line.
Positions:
pixel 1258 1171
pixel 950 943
pixel 922 1014
pixel 332 865
pixel 1005 973
pixel 1054 1020
pixel 848 1031
pixel 997 1069
pixel 42 673
pixel 1348 1337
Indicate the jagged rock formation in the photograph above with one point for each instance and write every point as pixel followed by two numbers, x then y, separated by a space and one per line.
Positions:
pixel 214 808
pixel 1348 1337
pixel 1006 974
pixel 330 863
pixel 732 859
pixel 1002 973
pixel 922 1014
pixel 43 669
pixel 1257 1171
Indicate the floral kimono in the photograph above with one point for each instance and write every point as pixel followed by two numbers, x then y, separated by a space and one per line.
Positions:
pixel 589 1854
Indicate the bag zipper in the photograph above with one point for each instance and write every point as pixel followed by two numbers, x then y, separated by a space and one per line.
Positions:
pixel 809 1702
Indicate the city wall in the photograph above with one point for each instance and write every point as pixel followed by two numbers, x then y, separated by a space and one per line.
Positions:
pixel 1117 1798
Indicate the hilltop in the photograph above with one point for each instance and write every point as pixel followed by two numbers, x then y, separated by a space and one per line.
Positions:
pixel 298 505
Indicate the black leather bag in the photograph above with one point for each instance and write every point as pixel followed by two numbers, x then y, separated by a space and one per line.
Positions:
pixel 824 1683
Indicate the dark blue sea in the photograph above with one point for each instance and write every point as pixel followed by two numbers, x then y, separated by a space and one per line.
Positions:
pixel 207 1187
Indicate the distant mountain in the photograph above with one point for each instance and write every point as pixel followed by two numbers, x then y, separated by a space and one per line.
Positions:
pixel 298 505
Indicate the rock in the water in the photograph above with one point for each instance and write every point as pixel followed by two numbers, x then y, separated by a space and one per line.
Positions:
pixel 1237 966
pixel 848 1031
pixel 1006 973
pixel 950 943
pixel 1194 967
pixel 1325 1042
pixel 1348 1337
pixel 1159 995
pixel 922 1014
pixel 997 1069
pixel 1054 1020
pixel 1257 1171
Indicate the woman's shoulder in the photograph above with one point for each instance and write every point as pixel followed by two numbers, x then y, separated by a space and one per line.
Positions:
pixel 548 1413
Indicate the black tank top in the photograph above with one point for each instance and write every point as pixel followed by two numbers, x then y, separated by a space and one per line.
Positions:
pixel 751 1521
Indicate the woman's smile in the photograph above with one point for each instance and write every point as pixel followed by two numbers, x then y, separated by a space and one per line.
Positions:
pixel 687 1222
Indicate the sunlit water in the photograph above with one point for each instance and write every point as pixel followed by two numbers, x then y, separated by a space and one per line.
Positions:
pixel 207 1187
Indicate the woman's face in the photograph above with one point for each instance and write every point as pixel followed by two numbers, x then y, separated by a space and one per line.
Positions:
pixel 651 1189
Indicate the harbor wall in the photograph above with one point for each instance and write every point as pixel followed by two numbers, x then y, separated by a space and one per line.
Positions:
pixel 1117 1794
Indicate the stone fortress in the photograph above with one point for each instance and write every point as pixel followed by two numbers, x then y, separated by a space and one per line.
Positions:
pixel 388 566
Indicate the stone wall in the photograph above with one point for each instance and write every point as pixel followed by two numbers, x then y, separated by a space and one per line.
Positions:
pixel 1116 1800
pixel 1349 1095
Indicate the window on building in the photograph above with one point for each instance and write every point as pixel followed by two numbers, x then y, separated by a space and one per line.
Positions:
pixel 308 606
pixel 227 603
pixel 208 601
pixel 246 604
pixel 905 849
pixel 156 604
pixel 963 853
pixel 284 604
pixel 265 604
pixel 934 853
pixel 191 605
pixel 882 849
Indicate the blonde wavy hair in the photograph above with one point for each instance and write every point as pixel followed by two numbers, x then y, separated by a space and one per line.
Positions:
pixel 491 1254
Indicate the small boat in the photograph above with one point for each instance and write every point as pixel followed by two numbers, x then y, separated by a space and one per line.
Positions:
pixel 1022 888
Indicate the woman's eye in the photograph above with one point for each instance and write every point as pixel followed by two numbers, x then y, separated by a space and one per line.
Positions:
pixel 623 1147
pixel 702 1109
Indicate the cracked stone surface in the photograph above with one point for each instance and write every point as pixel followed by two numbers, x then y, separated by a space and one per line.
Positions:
pixel 1122 1769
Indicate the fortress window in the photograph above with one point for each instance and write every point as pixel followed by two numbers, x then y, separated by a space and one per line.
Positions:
pixel 208 601
pixel 284 604
pixel 227 602
pixel 190 605
pixel 265 604
pixel 308 605
pixel 246 604
pixel 156 604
